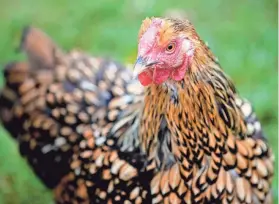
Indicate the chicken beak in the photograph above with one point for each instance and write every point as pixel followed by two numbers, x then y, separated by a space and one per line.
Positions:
pixel 141 65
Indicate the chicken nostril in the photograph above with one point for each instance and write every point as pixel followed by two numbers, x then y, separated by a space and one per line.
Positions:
pixel 151 63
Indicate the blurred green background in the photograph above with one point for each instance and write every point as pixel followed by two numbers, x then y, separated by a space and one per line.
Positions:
pixel 242 34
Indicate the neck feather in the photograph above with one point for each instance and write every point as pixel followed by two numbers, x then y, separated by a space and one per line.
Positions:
pixel 199 112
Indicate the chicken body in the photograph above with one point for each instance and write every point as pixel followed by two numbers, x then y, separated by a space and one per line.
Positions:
pixel 71 113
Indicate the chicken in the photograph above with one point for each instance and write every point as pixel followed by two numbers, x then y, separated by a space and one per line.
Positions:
pixel 72 114
pixel 205 141
pixel 94 135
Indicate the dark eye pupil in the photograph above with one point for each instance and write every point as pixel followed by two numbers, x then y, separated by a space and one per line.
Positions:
pixel 170 47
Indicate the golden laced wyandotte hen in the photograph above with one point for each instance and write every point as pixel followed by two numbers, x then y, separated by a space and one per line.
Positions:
pixel 206 141
pixel 94 135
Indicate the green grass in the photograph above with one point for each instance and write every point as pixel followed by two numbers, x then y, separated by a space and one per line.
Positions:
pixel 243 34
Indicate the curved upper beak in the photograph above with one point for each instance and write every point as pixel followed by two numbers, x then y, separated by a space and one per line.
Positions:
pixel 141 65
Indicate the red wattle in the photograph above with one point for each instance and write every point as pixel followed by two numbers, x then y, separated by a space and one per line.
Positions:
pixel 145 78
pixel 161 75
pixel 156 75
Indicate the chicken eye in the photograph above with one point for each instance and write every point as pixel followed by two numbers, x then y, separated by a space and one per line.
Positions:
pixel 170 48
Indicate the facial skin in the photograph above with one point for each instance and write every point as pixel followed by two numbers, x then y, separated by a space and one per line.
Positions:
pixel 160 59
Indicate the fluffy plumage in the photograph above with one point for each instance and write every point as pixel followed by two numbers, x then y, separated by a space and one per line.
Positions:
pixel 93 135
pixel 73 116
